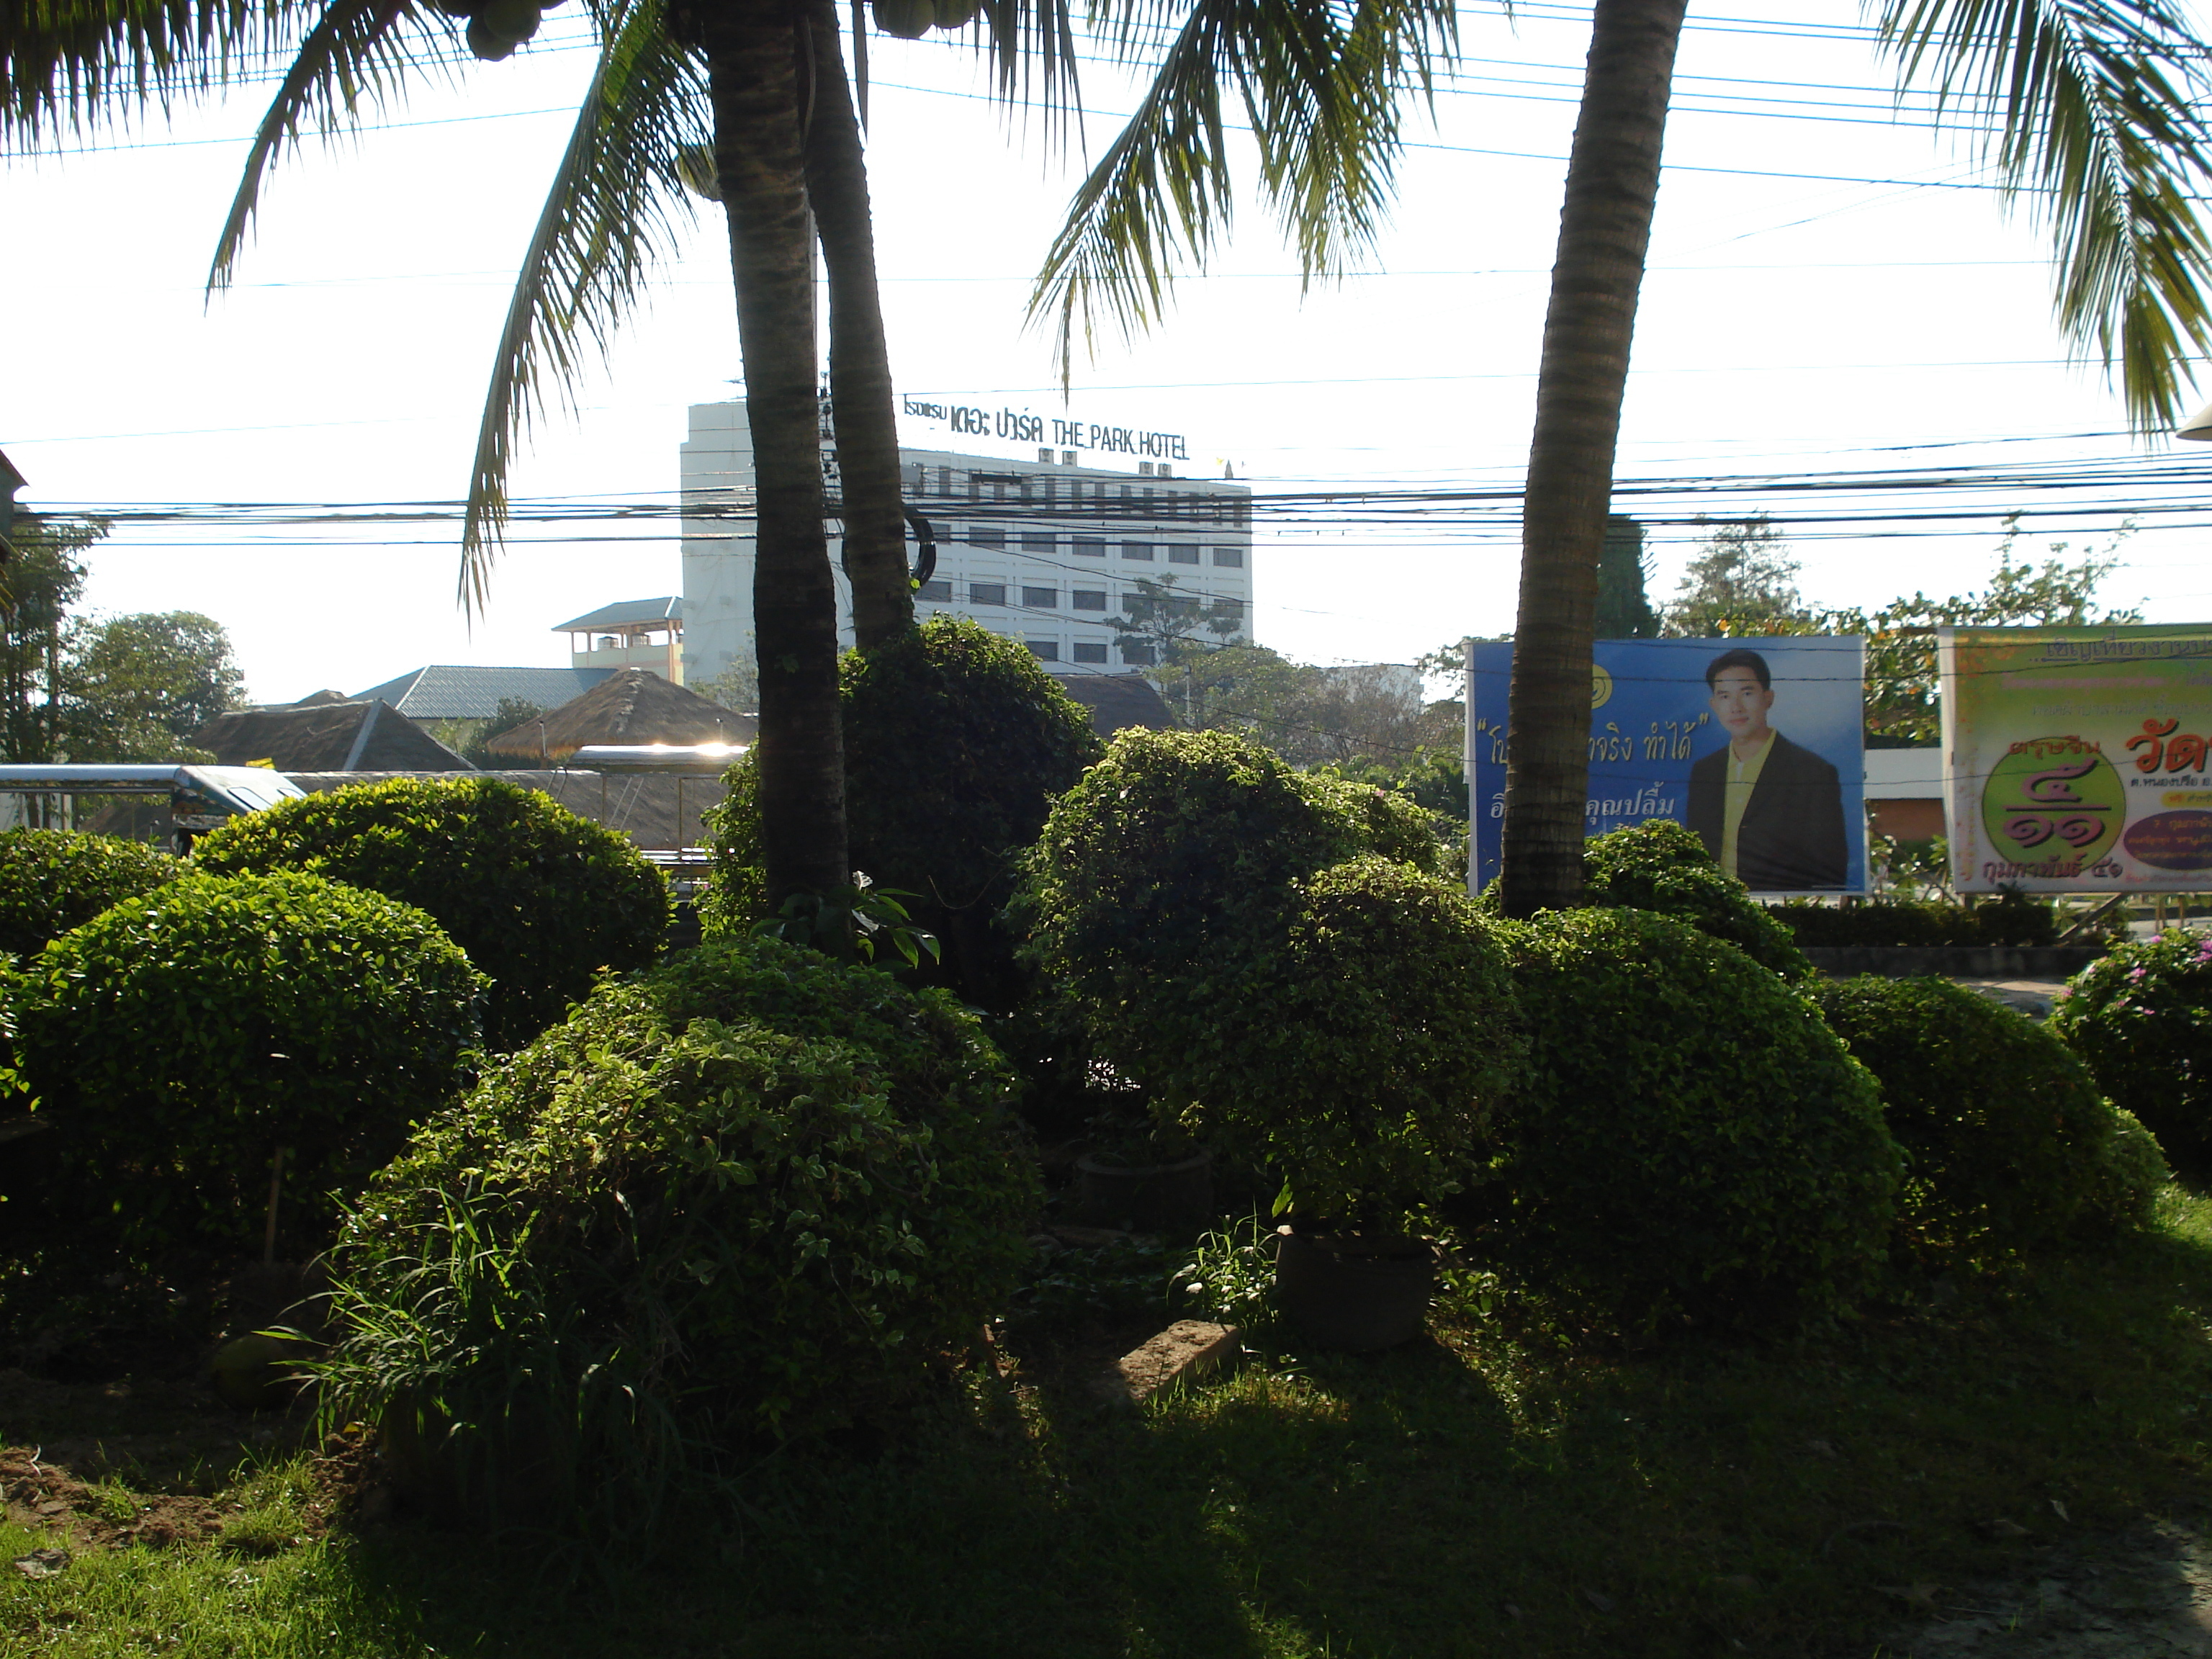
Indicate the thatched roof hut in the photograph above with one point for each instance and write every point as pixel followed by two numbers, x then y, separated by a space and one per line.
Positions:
pixel 630 706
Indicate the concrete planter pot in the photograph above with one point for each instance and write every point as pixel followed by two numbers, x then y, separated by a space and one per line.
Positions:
pixel 1356 1295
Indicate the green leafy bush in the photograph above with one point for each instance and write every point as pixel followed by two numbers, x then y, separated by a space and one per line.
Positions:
pixel 540 898
pixel 751 1195
pixel 1693 1139
pixel 2013 920
pixel 955 742
pixel 52 880
pixel 2008 1138
pixel 181 1038
pixel 1360 1059
pixel 2142 1017
pixel 1661 865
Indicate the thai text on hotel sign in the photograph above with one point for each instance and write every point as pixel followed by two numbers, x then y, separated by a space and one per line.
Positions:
pixel 1019 425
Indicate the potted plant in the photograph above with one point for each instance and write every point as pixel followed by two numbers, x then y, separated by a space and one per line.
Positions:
pixel 1142 1174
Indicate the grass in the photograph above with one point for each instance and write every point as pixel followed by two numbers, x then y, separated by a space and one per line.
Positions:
pixel 1471 1494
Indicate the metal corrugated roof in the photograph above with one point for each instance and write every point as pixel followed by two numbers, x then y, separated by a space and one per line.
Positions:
pixel 458 692
pixel 626 613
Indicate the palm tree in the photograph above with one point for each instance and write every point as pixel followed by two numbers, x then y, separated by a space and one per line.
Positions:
pixel 764 88
pixel 2091 102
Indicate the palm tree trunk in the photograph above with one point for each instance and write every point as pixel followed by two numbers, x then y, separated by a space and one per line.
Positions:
pixel 1605 230
pixel 859 360
pixel 752 62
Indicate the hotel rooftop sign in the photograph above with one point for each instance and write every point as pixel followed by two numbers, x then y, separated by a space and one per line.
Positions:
pixel 1020 426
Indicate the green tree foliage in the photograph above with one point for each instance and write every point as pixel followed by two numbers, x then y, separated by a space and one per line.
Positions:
pixel 138 687
pixel 1162 628
pixel 1904 705
pixel 2142 1017
pixel 2009 1144
pixel 956 743
pixel 44 580
pixel 1743 580
pixel 750 1195
pixel 510 712
pixel 541 899
pixel 182 1038
pixel 52 880
pixel 1692 1139
pixel 1623 568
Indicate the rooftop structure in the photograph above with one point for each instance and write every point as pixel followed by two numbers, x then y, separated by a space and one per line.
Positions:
pixel 367 735
pixel 458 692
pixel 631 706
pixel 629 633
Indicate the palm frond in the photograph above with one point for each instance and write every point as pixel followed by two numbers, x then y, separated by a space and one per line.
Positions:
pixel 1031 44
pixel 616 207
pixel 352 50
pixel 1322 87
pixel 2089 109
pixel 68 64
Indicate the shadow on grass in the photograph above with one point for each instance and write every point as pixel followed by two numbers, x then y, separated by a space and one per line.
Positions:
pixel 1463 1495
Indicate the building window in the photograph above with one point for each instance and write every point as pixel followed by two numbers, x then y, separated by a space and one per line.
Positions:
pixel 1230 558
pixel 1045 650
pixel 1140 656
pixel 1182 555
pixel 1088 599
pixel 1040 546
pixel 1090 651
pixel 941 592
pixel 987 535
pixel 1089 547
pixel 1040 598
pixel 987 593
pixel 1141 551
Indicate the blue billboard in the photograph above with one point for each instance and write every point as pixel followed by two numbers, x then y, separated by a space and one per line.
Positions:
pixel 1757 744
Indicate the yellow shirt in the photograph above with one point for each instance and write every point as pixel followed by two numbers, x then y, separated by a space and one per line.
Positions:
pixel 1742 778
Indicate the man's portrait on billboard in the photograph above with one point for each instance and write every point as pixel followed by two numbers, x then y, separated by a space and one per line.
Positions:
pixel 1770 809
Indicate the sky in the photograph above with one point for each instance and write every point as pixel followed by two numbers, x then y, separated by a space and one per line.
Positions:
pixel 1834 290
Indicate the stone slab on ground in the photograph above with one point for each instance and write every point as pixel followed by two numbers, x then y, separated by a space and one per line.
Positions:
pixel 1189 1348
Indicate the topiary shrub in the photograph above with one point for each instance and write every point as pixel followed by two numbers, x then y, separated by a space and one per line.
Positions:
pixel 1660 866
pixel 2013 920
pixel 956 743
pixel 2008 1138
pixel 2142 1017
pixel 52 880
pixel 1693 1139
pixel 540 898
pixel 751 1195
pixel 1360 1060
pixel 181 1038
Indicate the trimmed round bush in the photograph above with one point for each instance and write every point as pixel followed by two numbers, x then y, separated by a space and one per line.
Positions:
pixel 1361 1059
pixel 2142 1017
pixel 1660 866
pixel 2008 1141
pixel 956 743
pixel 182 1038
pixel 753 1195
pixel 1176 854
pixel 52 880
pixel 1693 1139
pixel 541 899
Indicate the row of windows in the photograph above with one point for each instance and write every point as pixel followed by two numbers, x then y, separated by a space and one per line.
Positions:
pixel 939 592
pixel 1094 547
pixel 1107 499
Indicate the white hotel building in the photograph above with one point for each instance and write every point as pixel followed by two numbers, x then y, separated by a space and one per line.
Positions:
pixel 1042 550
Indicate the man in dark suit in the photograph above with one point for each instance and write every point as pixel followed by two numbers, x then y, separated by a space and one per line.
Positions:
pixel 1770 810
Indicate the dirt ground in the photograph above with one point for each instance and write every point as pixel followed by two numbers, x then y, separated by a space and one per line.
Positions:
pixel 2144 1592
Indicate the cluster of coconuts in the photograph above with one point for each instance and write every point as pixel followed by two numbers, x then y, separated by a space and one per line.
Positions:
pixel 910 20
pixel 496 27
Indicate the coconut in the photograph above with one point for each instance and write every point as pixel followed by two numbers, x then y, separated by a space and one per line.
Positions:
pixel 909 19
